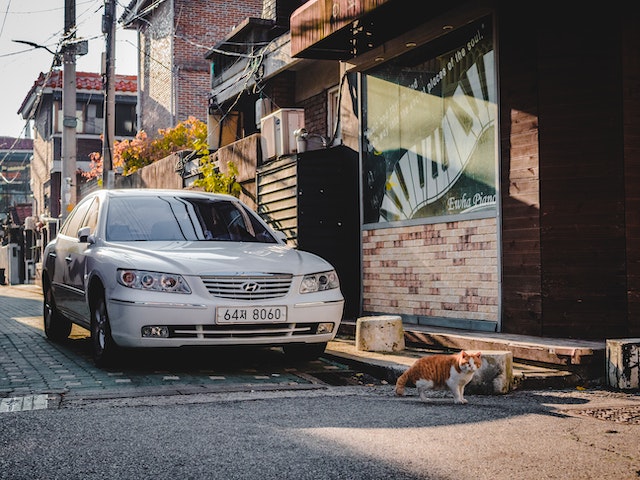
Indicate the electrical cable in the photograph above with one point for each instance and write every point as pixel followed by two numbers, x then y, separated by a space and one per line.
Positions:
pixel 4 20
pixel 147 55
pixel 37 102
pixel 141 14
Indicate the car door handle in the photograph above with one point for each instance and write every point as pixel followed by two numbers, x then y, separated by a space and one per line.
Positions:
pixel 67 259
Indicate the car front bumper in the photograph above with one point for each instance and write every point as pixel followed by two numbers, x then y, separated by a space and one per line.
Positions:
pixel 193 323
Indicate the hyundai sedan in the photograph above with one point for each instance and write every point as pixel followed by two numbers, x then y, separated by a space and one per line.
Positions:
pixel 165 268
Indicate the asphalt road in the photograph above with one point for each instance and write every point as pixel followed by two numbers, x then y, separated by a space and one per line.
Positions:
pixel 234 415
pixel 348 432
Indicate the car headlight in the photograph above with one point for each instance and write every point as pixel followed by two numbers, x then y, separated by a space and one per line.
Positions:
pixel 318 282
pixel 153 281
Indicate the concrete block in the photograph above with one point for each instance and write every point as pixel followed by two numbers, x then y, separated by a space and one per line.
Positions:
pixel 383 333
pixel 495 377
pixel 623 363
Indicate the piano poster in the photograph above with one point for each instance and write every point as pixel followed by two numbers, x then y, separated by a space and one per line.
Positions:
pixel 429 121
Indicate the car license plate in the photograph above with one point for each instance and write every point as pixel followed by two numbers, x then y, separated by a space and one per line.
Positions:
pixel 274 314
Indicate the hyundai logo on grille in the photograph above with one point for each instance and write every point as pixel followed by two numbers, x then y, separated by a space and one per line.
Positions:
pixel 250 287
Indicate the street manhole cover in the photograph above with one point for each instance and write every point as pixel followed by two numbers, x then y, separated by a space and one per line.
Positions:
pixel 628 414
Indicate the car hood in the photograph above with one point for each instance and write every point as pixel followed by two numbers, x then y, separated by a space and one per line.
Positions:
pixel 203 258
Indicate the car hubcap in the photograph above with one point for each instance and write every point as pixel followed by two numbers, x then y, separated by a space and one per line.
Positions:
pixel 100 328
pixel 48 311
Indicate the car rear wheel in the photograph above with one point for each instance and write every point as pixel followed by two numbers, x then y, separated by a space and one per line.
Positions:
pixel 56 327
pixel 309 351
pixel 104 348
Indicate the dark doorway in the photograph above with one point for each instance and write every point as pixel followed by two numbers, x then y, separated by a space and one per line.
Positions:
pixel 329 215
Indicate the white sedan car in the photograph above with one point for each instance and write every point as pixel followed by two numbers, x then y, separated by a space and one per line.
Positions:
pixel 165 268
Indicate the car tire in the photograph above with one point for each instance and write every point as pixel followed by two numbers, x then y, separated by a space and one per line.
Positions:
pixel 306 352
pixel 103 346
pixel 56 326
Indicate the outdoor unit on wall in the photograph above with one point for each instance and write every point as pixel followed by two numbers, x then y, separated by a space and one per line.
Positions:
pixel 277 132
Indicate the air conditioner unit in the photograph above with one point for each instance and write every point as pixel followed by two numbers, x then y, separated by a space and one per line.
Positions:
pixel 277 132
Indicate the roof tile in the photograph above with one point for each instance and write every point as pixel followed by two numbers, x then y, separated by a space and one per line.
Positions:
pixel 90 81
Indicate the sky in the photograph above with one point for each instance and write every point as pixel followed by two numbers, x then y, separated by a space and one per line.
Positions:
pixel 42 22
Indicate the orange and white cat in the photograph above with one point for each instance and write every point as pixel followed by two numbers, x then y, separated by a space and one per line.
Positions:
pixel 437 371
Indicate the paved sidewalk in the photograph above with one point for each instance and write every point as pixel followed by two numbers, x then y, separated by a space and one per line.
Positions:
pixel 29 363
pixel 32 366
pixel 388 366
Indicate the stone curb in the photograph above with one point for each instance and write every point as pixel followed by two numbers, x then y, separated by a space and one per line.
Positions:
pixel 494 378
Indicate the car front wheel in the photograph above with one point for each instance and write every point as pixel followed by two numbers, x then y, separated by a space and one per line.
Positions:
pixel 56 327
pixel 101 341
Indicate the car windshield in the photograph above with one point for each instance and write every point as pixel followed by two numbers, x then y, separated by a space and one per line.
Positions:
pixel 182 219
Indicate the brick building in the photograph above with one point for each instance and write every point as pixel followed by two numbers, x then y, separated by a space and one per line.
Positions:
pixel 174 78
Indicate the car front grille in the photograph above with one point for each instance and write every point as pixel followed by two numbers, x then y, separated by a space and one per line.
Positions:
pixel 248 287
pixel 242 331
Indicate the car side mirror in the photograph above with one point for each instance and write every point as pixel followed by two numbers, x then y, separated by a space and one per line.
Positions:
pixel 281 236
pixel 83 234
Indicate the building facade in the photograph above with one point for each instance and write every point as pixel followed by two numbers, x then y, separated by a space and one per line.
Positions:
pixel 496 178
pixel 15 157
pixel 43 107
pixel 173 37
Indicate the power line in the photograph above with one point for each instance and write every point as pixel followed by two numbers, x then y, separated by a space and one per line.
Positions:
pixel 140 51
pixel 30 12
pixel 37 103
pixel 4 20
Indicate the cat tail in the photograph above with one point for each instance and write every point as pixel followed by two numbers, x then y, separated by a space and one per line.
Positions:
pixel 401 382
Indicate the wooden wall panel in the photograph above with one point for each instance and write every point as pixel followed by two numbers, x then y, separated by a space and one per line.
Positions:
pixel 581 178
pixel 521 285
pixel 631 129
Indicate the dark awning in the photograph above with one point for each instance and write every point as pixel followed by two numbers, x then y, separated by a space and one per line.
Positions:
pixel 344 29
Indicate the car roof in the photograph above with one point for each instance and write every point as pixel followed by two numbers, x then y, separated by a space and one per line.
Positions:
pixel 146 192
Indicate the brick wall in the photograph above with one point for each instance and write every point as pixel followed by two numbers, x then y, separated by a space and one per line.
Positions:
pixel 175 80
pixel 315 114
pixel 280 10
pixel 281 90
pixel 199 25
pixel 155 108
pixel 446 270
pixel 192 91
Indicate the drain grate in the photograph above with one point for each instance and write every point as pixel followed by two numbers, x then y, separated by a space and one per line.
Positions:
pixel 628 414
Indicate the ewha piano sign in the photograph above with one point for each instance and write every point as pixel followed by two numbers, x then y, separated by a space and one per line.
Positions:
pixel 430 130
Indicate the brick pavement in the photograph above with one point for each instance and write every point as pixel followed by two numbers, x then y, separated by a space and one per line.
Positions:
pixel 30 364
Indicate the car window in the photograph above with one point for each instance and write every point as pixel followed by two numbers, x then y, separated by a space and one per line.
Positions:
pixel 91 218
pixel 182 218
pixel 143 218
pixel 75 221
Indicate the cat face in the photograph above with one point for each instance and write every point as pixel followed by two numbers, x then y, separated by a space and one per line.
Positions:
pixel 470 362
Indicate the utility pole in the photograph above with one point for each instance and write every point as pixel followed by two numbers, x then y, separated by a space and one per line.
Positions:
pixel 68 170
pixel 109 89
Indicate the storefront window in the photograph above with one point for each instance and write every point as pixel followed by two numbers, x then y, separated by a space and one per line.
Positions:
pixel 429 122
